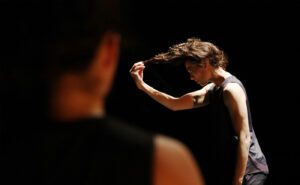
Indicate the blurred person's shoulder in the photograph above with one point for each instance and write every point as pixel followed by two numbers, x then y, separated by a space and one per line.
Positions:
pixel 113 130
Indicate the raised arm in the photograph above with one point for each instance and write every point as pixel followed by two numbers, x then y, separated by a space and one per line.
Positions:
pixel 174 164
pixel 188 101
pixel 235 100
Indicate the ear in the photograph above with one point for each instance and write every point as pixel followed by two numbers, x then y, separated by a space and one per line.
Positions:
pixel 205 63
pixel 106 55
pixel 103 66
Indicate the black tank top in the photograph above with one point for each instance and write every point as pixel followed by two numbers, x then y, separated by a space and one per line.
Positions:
pixel 225 139
pixel 86 152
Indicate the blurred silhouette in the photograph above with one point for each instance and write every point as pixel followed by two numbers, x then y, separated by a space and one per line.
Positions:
pixel 57 69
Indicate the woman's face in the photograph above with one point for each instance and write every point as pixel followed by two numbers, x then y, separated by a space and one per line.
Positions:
pixel 198 72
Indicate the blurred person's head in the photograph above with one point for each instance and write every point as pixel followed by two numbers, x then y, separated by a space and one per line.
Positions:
pixel 59 58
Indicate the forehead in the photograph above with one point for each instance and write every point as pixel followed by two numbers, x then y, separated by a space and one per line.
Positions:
pixel 189 64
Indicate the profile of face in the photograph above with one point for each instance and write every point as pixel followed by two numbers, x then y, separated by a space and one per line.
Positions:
pixel 105 62
pixel 198 71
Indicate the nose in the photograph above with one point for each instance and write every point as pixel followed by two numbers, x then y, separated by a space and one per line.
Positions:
pixel 192 77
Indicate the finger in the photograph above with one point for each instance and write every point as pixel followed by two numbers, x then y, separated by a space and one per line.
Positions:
pixel 136 76
pixel 132 68
pixel 137 64
pixel 137 68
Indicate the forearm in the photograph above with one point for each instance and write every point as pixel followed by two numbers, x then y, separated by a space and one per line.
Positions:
pixel 162 98
pixel 241 163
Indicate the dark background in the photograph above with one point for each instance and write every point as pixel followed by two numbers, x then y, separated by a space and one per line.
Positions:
pixel 261 40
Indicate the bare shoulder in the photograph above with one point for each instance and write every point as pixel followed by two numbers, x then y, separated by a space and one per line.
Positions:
pixel 233 92
pixel 233 89
pixel 174 163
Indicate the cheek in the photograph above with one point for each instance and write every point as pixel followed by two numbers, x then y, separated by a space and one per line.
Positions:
pixel 202 77
pixel 205 77
pixel 199 74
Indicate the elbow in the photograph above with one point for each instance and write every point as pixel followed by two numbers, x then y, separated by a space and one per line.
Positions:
pixel 248 143
pixel 245 139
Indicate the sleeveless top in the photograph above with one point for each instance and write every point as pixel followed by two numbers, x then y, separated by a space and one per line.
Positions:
pixel 89 151
pixel 226 140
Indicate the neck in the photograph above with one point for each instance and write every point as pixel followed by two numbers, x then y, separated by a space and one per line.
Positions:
pixel 84 107
pixel 219 75
pixel 99 110
pixel 95 109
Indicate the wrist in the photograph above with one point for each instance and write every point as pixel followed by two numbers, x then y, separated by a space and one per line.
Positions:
pixel 141 86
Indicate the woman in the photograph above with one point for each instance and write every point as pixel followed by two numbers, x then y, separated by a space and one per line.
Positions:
pixel 237 158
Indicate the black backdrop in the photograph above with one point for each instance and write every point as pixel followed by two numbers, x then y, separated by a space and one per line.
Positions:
pixel 261 40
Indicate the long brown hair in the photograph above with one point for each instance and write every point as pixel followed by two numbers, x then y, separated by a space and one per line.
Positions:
pixel 194 49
